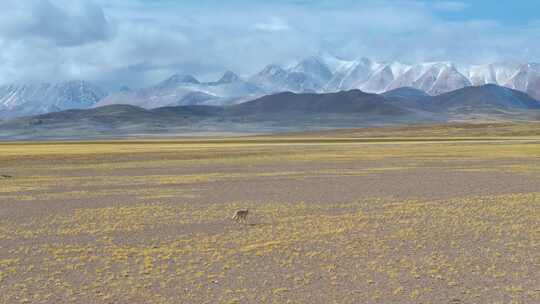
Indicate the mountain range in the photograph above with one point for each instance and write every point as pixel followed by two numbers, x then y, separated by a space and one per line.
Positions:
pixel 284 111
pixel 313 74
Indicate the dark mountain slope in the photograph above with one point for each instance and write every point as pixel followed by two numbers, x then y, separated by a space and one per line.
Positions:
pixel 111 114
pixel 481 98
pixel 407 97
pixel 346 102
pixel 406 93
pixel 194 110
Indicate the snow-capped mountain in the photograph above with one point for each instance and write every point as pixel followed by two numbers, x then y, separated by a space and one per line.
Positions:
pixel 433 78
pixel 274 78
pixel 228 77
pixel 331 62
pixel 32 99
pixel 493 73
pixel 322 73
pixel 526 79
pixel 315 69
pixel 374 77
pixel 378 81
pixel 350 74
pixel 187 90
pixel 441 78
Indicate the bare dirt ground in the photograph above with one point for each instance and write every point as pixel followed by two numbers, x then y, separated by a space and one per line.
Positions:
pixel 405 220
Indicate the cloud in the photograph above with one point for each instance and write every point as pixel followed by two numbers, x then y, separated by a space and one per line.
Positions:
pixel 450 6
pixel 272 25
pixel 140 42
pixel 63 24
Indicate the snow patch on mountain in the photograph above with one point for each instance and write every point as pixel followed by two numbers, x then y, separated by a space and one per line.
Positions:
pixel 32 99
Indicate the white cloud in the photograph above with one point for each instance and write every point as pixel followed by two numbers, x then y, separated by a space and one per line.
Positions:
pixel 272 25
pixel 140 42
pixel 450 6
pixel 61 23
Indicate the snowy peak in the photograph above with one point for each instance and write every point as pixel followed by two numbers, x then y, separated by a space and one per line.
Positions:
pixel 351 74
pixel 272 70
pixel 493 73
pixel 367 75
pixel 309 75
pixel 398 68
pixel 31 99
pixel 482 74
pixel 272 78
pixel 432 77
pixel 526 79
pixel 75 94
pixel 408 78
pixel 178 79
pixel 228 77
pixel 182 90
pixel 314 68
pixel 449 79
pixel 378 81
pixel 527 72
pixel 333 63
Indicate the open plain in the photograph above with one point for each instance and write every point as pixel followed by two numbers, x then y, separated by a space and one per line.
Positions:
pixel 424 214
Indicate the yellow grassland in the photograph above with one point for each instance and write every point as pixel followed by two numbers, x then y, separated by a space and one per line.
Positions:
pixel 147 244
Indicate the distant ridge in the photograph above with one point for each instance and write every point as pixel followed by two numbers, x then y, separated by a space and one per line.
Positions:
pixel 319 74
pixel 284 111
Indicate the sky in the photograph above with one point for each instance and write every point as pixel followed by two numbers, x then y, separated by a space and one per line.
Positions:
pixel 140 42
